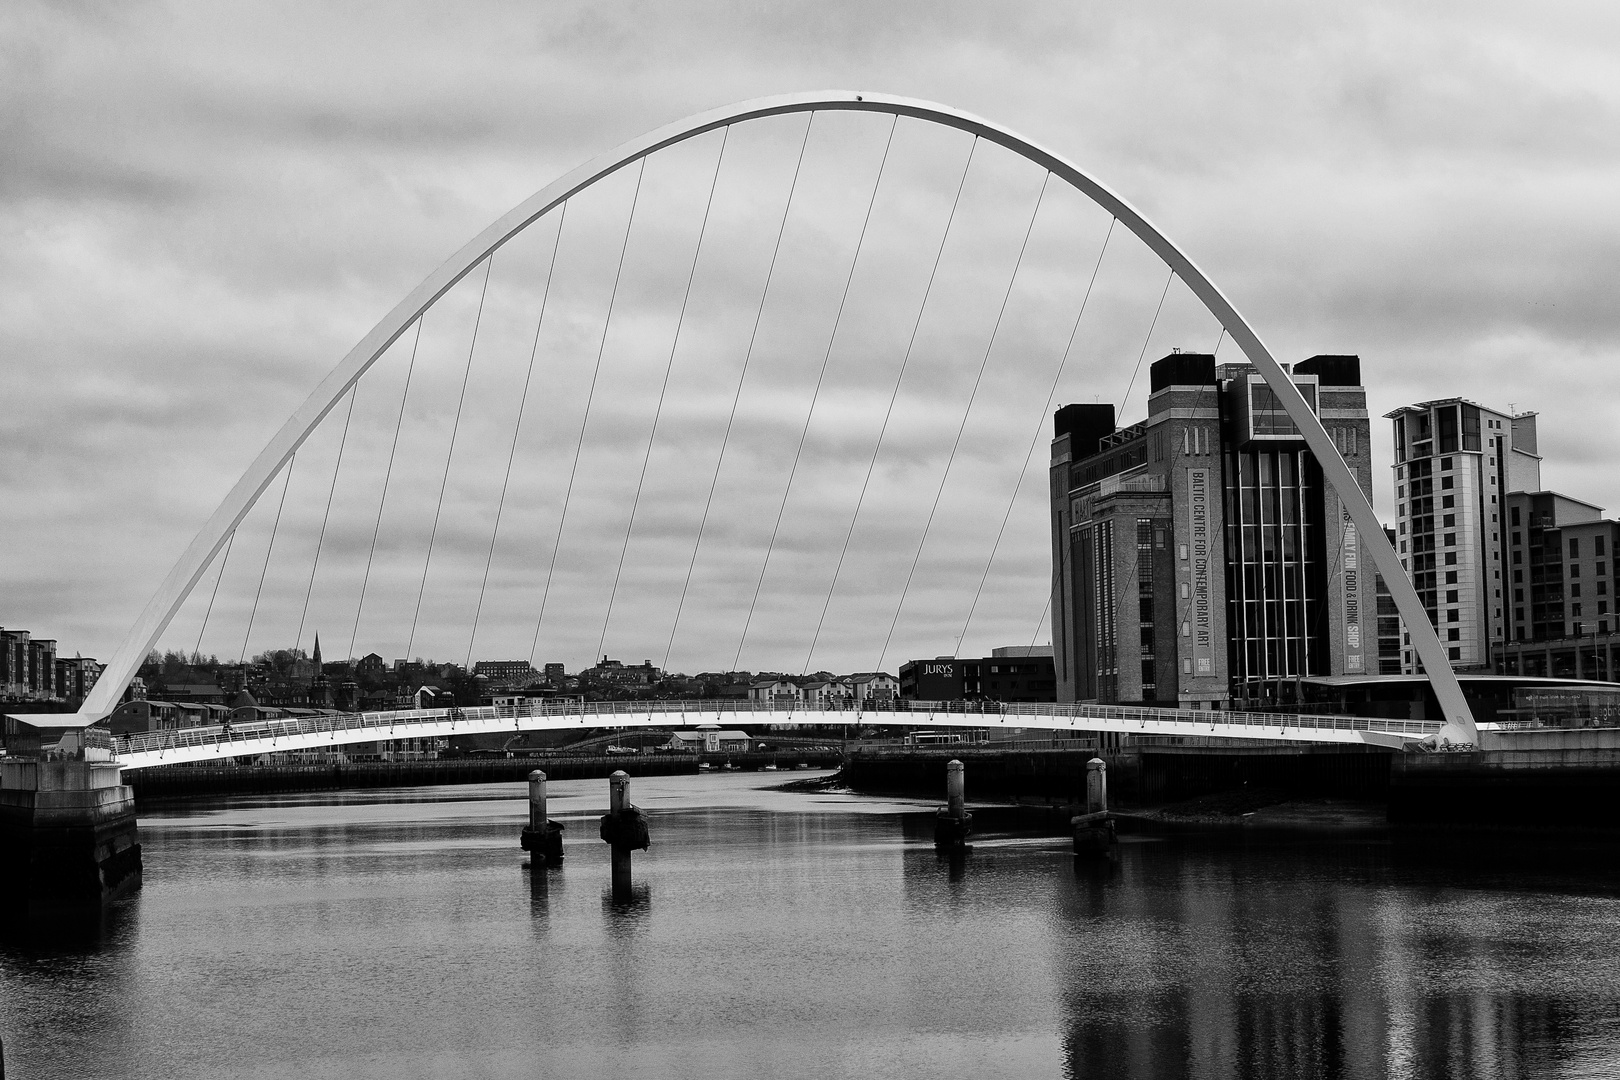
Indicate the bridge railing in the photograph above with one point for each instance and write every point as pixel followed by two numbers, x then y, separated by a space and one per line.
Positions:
pixel 388 725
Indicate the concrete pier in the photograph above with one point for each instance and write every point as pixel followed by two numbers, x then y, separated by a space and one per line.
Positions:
pixel 1094 829
pixel 953 823
pixel 542 837
pixel 68 840
pixel 624 830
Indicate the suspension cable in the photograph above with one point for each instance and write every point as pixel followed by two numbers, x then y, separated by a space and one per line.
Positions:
pixel 894 394
pixel 449 455
pixel 669 365
pixel 1035 438
pixel 742 377
pixel 517 429
pixel 276 525
pixel 990 345
pixel 354 392
pixel 388 473
pixel 815 395
pixel 229 543
pixel 1146 341
pixel 585 421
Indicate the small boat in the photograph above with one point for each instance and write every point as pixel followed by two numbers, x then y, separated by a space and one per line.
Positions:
pixel 704 766
pixel 770 768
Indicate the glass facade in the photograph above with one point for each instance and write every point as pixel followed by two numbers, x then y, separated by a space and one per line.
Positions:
pixel 1275 577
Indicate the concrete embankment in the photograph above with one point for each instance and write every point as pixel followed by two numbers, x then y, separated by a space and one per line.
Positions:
pixel 1561 780
pixel 1564 781
pixel 1139 775
pixel 1050 776
pixel 182 781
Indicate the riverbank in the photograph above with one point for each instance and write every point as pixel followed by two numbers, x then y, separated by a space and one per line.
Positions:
pixel 192 781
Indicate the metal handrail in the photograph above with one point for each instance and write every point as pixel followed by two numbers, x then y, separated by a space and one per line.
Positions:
pixel 387 724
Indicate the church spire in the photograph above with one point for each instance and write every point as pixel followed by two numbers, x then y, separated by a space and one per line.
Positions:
pixel 317 657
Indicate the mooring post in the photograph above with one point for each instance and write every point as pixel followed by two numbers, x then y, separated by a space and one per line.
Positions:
pixel 537 800
pixel 1096 786
pixel 1094 829
pixel 624 829
pixel 542 837
pixel 953 823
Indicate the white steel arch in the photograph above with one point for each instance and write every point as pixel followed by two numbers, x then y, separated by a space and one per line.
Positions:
pixel 1458 726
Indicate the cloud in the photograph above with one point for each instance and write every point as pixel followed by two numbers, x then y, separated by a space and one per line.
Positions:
pixel 205 206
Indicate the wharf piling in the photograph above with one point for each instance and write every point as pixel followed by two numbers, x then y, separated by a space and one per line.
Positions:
pixel 953 823
pixel 542 837
pixel 625 830
pixel 1094 830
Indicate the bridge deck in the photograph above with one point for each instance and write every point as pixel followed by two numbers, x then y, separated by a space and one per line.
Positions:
pixel 176 746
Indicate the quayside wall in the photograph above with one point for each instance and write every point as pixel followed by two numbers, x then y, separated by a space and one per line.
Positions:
pixel 182 781
pixel 1137 775
pixel 1567 781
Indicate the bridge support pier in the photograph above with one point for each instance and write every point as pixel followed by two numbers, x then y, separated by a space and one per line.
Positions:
pixel 542 837
pixel 625 830
pixel 68 841
pixel 1094 830
pixel 952 822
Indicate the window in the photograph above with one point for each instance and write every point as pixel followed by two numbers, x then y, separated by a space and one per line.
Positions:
pixel 1602 567
pixel 1574 569
pixel 1454 654
pixel 1449 521
pixel 1513 515
pixel 1451 541
pixel 1518 575
pixel 1597 545
pixel 1447 501
pixel 1454 634
pixel 1518 596
pixel 1603 588
pixel 1575 611
pixel 1574 547
pixel 1518 614
pixel 1515 521
pixel 1575 589
pixel 1445 462
pixel 1451 596
pixel 1451 577
pixel 1451 558
pixel 1403 547
pixel 1451 615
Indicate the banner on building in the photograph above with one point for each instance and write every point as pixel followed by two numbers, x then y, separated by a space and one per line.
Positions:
pixel 1203 616
pixel 1351 561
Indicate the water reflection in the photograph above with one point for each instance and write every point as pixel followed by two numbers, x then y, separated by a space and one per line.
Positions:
pixel 1304 961
pixel 810 935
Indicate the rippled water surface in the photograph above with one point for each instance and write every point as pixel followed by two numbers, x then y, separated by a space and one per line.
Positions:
pixel 398 933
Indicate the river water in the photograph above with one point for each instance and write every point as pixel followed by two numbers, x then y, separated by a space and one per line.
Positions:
pixel 398 934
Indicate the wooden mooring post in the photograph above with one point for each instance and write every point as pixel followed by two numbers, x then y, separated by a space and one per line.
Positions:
pixel 542 837
pixel 952 822
pixel 1094 829
pixel 625 830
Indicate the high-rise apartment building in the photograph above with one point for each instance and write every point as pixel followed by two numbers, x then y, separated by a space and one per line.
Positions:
pixel 1455 463
pixel 1198 557
pixel 1561 561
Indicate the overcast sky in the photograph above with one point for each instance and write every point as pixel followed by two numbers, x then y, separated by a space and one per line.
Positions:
pixel 205 205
